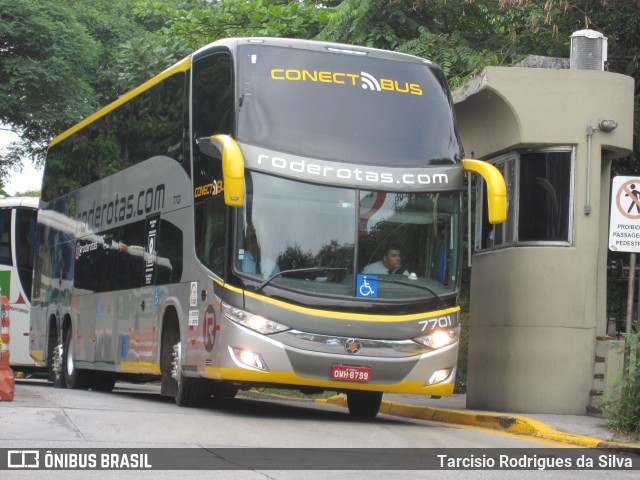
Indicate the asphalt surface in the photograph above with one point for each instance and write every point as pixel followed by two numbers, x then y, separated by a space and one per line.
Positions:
pixel 579 430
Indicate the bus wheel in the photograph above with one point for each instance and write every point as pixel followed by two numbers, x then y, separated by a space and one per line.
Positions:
pixel 364 404
pixel 224 390
pixel 73 377
pixel 187 391
pixel 103 382
pixel 55 363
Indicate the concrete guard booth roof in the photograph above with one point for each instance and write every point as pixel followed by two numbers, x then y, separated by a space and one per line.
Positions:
pixel 536 310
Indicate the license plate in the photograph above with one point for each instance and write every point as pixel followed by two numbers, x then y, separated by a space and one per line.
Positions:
pixel 345 373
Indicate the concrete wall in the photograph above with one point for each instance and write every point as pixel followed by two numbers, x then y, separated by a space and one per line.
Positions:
pixel 536 310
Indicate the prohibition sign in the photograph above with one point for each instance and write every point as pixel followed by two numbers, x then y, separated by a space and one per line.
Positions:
pixel 628 199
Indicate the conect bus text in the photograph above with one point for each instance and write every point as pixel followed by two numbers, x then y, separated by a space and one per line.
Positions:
pixel 121 208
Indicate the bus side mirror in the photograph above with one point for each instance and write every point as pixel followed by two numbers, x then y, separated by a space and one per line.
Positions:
pixel 496 188
pixel 232 166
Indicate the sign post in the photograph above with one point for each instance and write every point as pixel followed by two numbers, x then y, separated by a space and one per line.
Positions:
pixel 624 236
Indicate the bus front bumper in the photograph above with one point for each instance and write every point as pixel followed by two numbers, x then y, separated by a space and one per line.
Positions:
pixel 336 363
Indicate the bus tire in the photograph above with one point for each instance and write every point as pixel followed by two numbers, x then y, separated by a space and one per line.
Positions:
pixel 364 404
pixel 191 391
pixel 56 347
pixel 74 377
pixel 224 390
pixel 187 391
pixel 170 335
pixel 103 382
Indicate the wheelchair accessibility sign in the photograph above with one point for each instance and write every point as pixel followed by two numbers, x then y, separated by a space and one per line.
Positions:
pixel 367 286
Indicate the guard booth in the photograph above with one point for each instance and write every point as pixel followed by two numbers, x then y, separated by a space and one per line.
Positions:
pixel 538 282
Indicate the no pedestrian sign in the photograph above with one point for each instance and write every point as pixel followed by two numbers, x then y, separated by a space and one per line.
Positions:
pixel 624 226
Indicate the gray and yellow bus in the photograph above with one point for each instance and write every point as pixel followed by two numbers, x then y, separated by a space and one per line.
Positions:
pixel 227 225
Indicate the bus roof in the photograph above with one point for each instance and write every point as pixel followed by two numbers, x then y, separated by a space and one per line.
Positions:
pixel 31 202
pixel 232 43
pixel 314 45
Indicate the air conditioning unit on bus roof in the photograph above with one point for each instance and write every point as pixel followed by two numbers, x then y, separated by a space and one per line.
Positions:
pixel 588 50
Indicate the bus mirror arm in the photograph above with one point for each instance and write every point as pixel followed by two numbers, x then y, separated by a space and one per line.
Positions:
pixel 232 166
pixel 496 188
pixel 209 148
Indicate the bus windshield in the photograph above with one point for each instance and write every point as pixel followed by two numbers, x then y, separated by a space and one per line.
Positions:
pixel 329 241
pixel 344 107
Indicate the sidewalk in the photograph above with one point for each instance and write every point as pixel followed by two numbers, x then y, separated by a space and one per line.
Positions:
pixel 579 430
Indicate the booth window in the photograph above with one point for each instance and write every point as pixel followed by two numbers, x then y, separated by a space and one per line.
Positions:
pixel 539 200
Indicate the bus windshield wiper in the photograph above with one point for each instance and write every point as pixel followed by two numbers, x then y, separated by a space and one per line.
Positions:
pixel 299 270
pixel 439 299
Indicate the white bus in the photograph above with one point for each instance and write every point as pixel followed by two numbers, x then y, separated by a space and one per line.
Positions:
pixel 266 212
pixel 17 236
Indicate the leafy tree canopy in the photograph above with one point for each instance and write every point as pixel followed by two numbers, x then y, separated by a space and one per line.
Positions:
pixel 62 59
pixel 42 84
pixel 55 67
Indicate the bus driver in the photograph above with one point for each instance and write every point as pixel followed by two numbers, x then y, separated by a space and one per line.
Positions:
pixel 391 263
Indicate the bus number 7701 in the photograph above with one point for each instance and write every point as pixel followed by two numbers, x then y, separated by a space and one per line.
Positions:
pixel 433 323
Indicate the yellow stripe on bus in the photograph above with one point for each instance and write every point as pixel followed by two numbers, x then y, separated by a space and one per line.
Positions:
pixel 37 355
pixel 140 367
pixel 358 317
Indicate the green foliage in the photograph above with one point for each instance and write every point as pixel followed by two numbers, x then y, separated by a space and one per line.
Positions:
pixel 56 67
pixel 173 31
pixel 61 59
pixel 373 23
pixel 28 193
pixel 624 413
pixel 458 60
pixel 43 84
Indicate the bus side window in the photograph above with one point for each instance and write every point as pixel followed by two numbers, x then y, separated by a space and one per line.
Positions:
pixel 25 237
pixel 212 114
pixel 5 236
pixel 209 222
pixel 212 110
pixel 213 101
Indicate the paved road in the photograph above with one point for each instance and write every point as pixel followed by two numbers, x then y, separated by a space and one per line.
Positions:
pixel 137 417
pixel 134 415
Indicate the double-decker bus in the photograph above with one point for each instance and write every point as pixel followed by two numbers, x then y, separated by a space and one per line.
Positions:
pixel 17 237
pixel 225 226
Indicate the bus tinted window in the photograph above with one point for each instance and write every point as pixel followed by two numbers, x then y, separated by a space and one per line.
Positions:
pixel 345 107
pixel 150 124
pixel 25 238
pixel 5 236
pixel 287 225
pixel 213 100
pixel 209 234
pixel 117 259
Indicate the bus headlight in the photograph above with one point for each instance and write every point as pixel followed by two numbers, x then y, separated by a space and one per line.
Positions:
pixel 439 376
pixel 439 338
pixel 254 322
pixel 246 358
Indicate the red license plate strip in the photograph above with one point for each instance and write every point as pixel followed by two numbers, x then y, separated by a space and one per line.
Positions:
pixel 346 373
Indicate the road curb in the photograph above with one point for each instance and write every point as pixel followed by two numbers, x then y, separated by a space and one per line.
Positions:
pixel 515 424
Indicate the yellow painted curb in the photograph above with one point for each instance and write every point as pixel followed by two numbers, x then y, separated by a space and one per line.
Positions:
pixel 506 423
